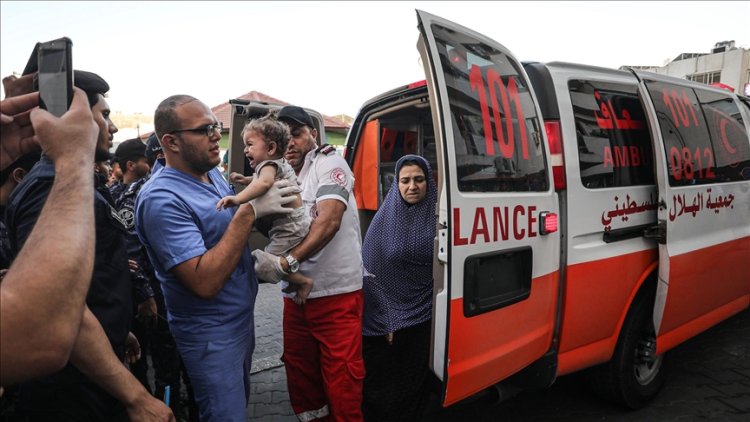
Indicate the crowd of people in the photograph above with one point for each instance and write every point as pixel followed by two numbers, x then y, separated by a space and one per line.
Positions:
pixel 101 267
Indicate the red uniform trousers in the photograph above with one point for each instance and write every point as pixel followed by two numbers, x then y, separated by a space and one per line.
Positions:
pixel 323 357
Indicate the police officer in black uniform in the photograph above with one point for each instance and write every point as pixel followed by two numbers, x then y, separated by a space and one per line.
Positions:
pixel 130 155
pixel 70 395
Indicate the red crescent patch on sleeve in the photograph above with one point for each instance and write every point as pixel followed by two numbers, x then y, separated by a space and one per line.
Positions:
pixel 338 176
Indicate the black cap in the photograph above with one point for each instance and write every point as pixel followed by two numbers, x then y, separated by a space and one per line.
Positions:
pixel 153 146
pixel 91 83
pixel 131 149
pixel 295 114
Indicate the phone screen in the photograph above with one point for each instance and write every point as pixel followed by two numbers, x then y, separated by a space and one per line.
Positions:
pixel 55 76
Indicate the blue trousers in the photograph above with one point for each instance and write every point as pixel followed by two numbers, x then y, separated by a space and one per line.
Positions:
pixel 220 373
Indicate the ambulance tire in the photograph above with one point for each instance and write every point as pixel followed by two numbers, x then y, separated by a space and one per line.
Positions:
pixel 634 376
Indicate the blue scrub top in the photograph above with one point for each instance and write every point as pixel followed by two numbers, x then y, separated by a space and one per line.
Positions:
pixel 158 166
pixel 176 220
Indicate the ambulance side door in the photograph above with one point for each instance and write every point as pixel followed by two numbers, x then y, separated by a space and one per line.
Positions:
pixel 494 312
pixel 702 157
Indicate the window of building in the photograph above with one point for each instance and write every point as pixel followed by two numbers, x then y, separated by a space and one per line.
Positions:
pixel 705 78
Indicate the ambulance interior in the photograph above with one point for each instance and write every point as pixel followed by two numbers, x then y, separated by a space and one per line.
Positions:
pixel 388 135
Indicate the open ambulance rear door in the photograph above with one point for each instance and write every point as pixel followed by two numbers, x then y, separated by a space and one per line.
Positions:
pixel 497 287
pixel 702 165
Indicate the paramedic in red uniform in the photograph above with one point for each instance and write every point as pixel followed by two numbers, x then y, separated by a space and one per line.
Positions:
pixel 323 337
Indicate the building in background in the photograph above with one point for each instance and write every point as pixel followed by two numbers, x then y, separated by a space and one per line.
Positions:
pixel 142 126
pixel 726 66
pixel 134 125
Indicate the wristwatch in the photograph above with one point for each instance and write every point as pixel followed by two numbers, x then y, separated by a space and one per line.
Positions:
pixel 293 263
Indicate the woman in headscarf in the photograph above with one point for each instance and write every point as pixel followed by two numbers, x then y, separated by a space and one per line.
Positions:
pixel 397 254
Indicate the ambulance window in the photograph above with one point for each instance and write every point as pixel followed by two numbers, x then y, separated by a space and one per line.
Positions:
pixel 497 133
pixel 395 142
pixel 729 142
pixel 697 152
pixel 614 145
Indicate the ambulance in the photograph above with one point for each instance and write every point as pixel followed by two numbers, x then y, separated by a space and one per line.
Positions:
pixel 588 218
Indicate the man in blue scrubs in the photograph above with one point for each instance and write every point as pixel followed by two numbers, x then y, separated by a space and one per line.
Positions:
pixel 200 256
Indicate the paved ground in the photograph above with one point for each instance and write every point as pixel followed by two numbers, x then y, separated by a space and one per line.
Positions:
pixel 709 380
pixel 269 399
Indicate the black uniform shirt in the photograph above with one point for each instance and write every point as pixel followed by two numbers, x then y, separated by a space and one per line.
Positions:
pixel 109 297
pixel 123 197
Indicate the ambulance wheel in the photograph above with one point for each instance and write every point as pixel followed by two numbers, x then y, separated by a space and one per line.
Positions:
pixel 635 375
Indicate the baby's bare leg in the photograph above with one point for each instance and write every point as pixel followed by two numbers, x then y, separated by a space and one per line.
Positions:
pixel 303 285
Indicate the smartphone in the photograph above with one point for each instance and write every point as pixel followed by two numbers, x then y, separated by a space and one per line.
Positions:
pixel 55 75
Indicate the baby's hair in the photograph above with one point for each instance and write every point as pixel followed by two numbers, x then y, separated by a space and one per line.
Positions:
pixel 271 129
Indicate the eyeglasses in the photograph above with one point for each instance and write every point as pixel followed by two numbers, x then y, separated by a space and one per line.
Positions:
pixel 207 130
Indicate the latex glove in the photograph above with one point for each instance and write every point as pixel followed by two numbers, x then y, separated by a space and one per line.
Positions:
pixel 272 202
pixel 268 267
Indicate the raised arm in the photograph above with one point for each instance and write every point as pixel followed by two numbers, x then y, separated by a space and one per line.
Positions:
pixel 44 291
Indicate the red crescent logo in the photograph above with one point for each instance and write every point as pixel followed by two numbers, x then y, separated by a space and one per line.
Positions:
pixel 338 176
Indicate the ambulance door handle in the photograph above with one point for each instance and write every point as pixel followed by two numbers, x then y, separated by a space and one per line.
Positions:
pixel 657 232
pixel 442 236
pixel 662 204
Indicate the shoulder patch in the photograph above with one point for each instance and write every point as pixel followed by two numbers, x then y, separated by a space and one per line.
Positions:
pixel 326 149
pixel 338 176
pixel 127 219
pixel 126 216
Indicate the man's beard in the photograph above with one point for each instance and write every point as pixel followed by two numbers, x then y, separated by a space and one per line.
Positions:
pixel 101 155
pixel 200 167
pixel 195 160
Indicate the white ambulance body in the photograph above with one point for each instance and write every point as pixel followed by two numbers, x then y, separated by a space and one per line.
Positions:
pixel 587 217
